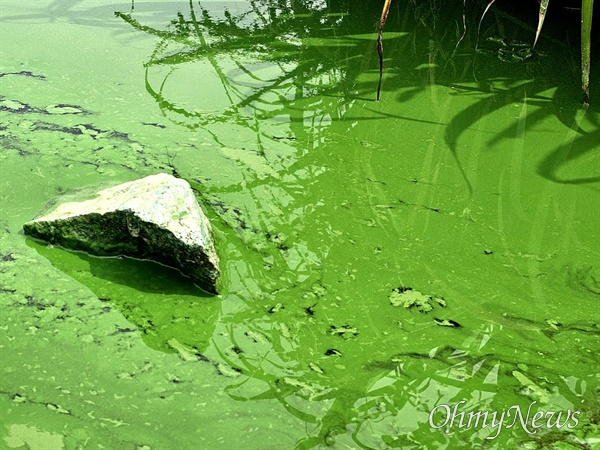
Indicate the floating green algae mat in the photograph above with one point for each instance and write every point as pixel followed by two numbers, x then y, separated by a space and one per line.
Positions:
pixel 382 261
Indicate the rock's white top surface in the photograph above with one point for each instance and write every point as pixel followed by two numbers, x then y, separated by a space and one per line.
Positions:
pixel 161 199
pixel 159 202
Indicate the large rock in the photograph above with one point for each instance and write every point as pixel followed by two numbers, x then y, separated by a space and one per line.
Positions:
pixel 156 218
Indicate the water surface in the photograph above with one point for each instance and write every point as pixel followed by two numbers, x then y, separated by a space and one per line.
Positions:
pixel 379 258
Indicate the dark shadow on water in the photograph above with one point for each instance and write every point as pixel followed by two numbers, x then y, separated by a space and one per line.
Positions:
pixel 143 276
pixel 166 307
pixel 550 166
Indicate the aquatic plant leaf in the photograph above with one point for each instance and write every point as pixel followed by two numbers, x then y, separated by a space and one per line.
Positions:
pixel 382 20
pixel 587 7
pixel 542 16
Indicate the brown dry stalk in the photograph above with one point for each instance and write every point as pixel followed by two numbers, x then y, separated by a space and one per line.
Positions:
pixel 384 14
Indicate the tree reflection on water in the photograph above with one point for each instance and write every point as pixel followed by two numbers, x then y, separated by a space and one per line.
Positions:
pixel 280 74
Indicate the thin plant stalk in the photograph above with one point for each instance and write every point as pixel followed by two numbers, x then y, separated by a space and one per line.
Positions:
pixel 489 5
pixel 587 8
pixel 384 14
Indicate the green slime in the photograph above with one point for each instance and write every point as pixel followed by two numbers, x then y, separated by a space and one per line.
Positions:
pixel 379 259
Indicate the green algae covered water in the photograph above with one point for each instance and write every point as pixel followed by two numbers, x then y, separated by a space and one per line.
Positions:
pixel 419 272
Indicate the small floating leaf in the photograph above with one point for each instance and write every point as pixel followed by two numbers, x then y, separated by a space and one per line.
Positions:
pixel 446 323
pixel 344 331
pixel 65 109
